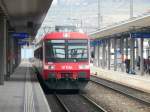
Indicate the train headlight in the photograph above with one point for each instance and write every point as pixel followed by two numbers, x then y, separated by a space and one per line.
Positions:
pixel 49 67
pixel 84 66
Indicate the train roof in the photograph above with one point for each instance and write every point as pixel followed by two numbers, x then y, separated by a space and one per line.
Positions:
pixel 65 35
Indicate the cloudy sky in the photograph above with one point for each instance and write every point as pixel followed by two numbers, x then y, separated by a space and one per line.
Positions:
pixel 66 12
pixel 75 12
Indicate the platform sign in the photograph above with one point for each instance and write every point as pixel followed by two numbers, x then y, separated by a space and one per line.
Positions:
pixel 140 35
pixel 22 43
pixel 20 35
pixel 92 43
pixel 98 42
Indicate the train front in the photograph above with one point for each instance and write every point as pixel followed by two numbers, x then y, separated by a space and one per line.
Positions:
pixel 66 64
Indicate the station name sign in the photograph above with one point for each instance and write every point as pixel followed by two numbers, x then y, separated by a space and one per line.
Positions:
pixel 20 35
pixel 22 43
pixel 140 35
pixel 97 42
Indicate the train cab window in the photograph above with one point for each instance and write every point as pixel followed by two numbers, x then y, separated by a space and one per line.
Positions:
pixel 66 50
pixel 78 41
pixel 78 49
pixel 57 41
pixel 59 51
pixel 55 49
pixel 77 52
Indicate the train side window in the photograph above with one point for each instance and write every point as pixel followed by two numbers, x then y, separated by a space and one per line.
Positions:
pixel 92 54
pixel 41 53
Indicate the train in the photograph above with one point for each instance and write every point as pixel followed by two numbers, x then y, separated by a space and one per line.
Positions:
pixel 62 59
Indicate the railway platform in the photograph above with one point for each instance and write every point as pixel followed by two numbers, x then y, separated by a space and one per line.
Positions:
pixel 22 92
pixel 134 81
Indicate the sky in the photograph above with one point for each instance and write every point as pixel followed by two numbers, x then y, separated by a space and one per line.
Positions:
pixel 27 53
pixel 85 13
pixel 75 12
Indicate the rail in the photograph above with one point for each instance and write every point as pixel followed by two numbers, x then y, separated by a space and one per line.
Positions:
pixel 123 90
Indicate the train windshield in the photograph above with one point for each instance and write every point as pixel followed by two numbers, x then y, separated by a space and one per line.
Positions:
pixel 66 50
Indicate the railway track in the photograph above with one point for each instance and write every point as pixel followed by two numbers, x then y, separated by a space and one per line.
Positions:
pixel 130 92
pixel 75 103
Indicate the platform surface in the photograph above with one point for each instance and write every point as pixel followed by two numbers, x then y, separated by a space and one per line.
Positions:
pixel 22 92
pixel 135 81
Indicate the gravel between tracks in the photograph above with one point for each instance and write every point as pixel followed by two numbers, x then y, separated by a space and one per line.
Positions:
pixel 136 93
pixel 54 104
pixel 113 101
pixel 76 103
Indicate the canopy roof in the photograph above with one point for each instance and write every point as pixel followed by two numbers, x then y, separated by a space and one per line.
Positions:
pixel 125 26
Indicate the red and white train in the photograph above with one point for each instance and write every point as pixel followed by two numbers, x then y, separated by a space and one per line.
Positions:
pixel 62 60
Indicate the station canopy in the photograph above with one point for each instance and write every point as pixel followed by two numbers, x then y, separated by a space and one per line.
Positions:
pixel 25 15
pixel 122 27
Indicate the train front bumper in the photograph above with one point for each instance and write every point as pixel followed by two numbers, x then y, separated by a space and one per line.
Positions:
pixel 66 83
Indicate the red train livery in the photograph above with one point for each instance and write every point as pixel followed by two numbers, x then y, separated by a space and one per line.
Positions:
pixel 62 60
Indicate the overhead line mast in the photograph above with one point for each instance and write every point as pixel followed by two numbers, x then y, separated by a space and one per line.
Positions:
pixel 99 14
pixel 131 8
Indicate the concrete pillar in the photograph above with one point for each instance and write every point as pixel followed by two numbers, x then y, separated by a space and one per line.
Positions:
pixel 108 54
pixel 137 51
pixel 11 55
pixel 103 55
pixel 141 57
pixel 122 53
pixel 115 54
pixel 98 56
pixel 132 55
pixel 15 53
pixel 19 55
pixel 127 48
pixel 2 49
pixel 7 53
pixel 5 48
pixel 14 57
